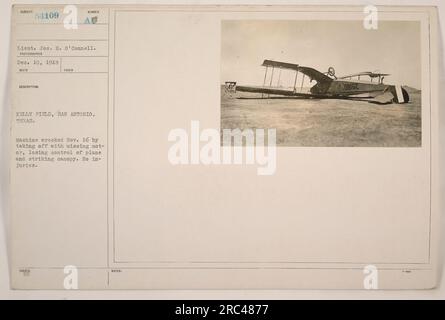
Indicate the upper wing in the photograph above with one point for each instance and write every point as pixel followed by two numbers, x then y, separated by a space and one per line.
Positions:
pixel 310 72
pixel 366 73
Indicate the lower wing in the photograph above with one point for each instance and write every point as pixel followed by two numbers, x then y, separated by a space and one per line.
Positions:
pixel 275 91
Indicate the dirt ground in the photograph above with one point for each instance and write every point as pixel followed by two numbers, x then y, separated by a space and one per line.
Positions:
pixel 327 122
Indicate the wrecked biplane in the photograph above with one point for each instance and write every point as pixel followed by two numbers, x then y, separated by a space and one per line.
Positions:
pixel 328 85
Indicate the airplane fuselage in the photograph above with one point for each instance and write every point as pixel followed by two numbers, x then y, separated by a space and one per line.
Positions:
pixel 347 88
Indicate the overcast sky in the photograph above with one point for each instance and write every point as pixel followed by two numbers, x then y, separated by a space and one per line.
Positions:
pixel 394 48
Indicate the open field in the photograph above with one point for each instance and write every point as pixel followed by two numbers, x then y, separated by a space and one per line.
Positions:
pixel 326 123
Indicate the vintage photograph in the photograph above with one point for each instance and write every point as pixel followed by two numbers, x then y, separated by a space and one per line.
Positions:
pixel 323 83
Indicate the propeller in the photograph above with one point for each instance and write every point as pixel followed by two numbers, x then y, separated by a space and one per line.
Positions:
pixel 331 72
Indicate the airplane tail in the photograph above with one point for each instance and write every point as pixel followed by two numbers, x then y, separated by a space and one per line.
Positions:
pixel 393 94
pixel 400 94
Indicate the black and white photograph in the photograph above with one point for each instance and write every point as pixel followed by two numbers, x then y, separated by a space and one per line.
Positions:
pixel 323 83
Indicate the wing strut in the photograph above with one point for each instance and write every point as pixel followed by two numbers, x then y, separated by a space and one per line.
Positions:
pixel 302 82
pixel 264 82
pixel 295 82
